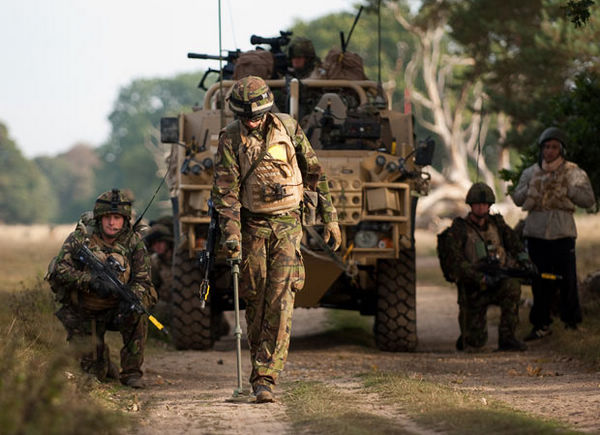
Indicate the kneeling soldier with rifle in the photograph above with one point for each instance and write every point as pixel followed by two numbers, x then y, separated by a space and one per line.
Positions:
pixel 101 277
pixel 484 257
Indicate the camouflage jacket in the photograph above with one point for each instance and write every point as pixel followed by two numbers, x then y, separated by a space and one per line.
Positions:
pixel 70 279
pixel 460 267
pixel 226 189
pixel 550 198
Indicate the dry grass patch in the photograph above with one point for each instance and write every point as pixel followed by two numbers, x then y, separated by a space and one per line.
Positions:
pixel 315 407
pixel 453 411
pixel 41 388
pixel 26 252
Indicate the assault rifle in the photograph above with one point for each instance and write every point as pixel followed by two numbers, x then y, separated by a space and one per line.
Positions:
pixel 206 257
pixel 493 268
pixel 107 273
pixel 276 44
pixel 232 55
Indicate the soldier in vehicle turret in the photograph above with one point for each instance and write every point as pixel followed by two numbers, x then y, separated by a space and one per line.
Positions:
pixel 303 61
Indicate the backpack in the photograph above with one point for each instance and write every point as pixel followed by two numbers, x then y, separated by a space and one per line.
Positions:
pixel 445 240
pixel 343 66
pixel 254 63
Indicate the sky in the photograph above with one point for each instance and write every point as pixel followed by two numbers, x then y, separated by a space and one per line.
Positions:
pixel 64 61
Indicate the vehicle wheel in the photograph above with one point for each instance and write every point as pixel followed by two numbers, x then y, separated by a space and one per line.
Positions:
pixel 191 326
pixel 396 317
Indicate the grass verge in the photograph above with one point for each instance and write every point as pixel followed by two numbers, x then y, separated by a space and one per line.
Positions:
pixel 314 407
pixel 41 388
pixel 447 410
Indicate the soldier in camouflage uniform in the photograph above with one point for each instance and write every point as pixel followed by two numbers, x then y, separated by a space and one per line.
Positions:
pixel 89 309
pixel 478 239
pixel 550 190
pixel 304 63
pixel 263 164
pixel 159 242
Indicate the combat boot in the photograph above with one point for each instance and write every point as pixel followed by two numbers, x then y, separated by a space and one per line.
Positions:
pixel 538 332
pixel 511 344
pixel 463 346
pixel 113 370
pixel 134 382
pixel 264 394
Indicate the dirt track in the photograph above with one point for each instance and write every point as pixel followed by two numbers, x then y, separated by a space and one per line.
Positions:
pixel 189 391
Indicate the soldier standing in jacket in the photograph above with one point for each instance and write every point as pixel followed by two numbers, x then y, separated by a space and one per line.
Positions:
pixel 550 190
pixel 260 174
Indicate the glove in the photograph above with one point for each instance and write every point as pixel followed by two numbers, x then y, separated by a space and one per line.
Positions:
pixel 526 263
pixel 233 248
pixel 530 267
pixel 332 229
pixel 97 286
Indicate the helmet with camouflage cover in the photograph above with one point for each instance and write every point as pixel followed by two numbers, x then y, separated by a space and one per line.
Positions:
pixel 553 133
pixel 112 202
pixel 301 47
pixel 250 98
pixel 159 230
pixel 480 193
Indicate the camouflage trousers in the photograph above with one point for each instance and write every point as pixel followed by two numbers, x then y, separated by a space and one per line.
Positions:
pixel 473 302
pixel 86 330
pixel 272 271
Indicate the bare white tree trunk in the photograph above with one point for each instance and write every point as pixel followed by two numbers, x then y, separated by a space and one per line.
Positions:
pixel 454 115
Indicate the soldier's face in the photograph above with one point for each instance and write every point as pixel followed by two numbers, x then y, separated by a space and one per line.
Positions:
pixel 160 247
pixel 298 62
pixel 252 124
pixel 551 150
pixel 112 224
pixel 480 209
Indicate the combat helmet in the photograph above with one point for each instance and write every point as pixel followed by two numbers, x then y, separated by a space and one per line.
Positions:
pixel 157 233
pixel 112 202
pixel 553 133
pixel 301 47
pixel 480 193
pixel 250 98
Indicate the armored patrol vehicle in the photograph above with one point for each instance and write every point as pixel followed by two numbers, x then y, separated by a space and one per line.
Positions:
pixel 375 170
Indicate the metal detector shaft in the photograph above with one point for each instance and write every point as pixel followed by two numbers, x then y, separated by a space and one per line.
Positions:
pixel 235 273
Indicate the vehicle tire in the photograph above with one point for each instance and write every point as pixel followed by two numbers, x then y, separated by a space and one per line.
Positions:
pixel 396 316
pixel 191 326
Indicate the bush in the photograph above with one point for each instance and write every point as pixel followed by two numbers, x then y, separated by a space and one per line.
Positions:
pixel 38 392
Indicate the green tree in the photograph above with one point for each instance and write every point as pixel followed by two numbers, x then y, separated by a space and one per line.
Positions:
pixel 525 53
pixel 396 44
pixel 71 176
pixel 575 111
pixel 25 195
pixel 127 159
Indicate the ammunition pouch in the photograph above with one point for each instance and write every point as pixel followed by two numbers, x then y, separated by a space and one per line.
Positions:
pixel 274 193
pixel 310 201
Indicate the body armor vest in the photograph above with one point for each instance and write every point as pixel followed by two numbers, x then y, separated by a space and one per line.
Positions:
pixel 484 244
pixel 548 190
pixel 275 185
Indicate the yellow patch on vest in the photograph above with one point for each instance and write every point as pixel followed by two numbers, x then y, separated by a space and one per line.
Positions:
pixel 278 151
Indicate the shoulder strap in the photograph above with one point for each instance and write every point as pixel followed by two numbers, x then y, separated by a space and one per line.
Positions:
pixel 283 117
